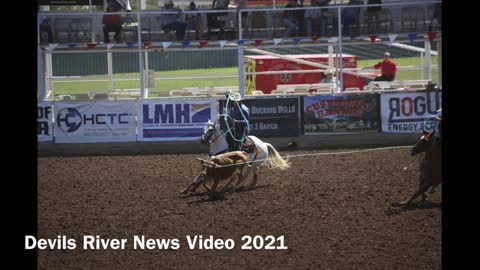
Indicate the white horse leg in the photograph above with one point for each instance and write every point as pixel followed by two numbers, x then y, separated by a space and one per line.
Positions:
pixel 255 177
pixel 243 174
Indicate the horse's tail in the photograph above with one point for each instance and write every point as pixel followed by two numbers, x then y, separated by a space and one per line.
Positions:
pixel 275 161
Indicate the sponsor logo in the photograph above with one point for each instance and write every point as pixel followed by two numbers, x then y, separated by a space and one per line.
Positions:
pixel 176 113
pixel 413 108
pixel 70 119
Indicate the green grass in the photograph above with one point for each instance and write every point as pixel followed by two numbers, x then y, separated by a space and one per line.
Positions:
pixel 85 84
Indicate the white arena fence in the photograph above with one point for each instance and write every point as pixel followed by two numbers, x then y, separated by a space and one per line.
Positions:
pixel 75 63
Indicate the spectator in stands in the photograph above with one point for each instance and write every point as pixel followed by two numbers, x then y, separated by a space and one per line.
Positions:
pixel 45 26
pixel 213 18
pixel 373 15
pixel 437 15
pixel 312 18
pixel 388 67
pixel 194 20
pixel 290 18
pixel 351 16
pixel 317 19
pixel 112 23
pixel 328 78
pixel 239 119
pixel 170 22
pixel 301 18
pixel 242 4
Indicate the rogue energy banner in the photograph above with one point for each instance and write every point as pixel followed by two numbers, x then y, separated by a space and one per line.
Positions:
pixel 407 112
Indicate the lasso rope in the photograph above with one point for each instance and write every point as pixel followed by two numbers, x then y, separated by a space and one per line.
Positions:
pixel 225 115
pixel 413 163
pixel 323 154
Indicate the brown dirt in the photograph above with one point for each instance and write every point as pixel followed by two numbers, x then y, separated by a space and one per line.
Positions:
pixel 334 212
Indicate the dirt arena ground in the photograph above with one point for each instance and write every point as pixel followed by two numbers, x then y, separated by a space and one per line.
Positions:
pixel 334 212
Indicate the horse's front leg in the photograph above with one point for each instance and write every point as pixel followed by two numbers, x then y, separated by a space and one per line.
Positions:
pixel 422 183
pixel 212 194
pixel 227 186
pixel 243 175
pixel 429 192
pixel 420 191
pixel 195 183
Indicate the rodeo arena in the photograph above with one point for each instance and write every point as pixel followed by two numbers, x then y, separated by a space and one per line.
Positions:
pixel 247 134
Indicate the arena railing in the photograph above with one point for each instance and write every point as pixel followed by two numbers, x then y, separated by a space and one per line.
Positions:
pixel 74 35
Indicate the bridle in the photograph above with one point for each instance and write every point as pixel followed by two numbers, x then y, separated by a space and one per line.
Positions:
pixel 214 138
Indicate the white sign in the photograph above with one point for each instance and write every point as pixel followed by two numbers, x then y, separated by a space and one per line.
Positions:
pixel 95 122
pixel 408 112
pixel 44 122
pixel 173 120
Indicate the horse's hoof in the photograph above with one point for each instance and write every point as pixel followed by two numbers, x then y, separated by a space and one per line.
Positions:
pixel 400 204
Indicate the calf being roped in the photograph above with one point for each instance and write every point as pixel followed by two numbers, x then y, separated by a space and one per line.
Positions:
pixel 218 168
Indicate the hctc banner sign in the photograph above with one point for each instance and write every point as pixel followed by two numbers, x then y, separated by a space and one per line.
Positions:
pixel 277 117
pixel 44 122
pixel 95 122
pixel 407 112
pixel 174 120
pixel 340 114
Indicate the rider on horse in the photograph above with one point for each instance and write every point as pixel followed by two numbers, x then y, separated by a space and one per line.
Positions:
pixel 237 116
pixel 438 117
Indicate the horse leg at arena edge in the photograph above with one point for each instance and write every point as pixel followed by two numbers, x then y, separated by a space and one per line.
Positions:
pixel 430 191
pixel 422 183
pixel 227 186
pixel 255 178
pixel 250 167
pixel 421 191
pixel 199 179
pixel 212 194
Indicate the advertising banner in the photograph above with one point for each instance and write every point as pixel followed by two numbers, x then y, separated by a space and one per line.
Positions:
pixel 341 114
pixel 409 112
pixel 44 122
pixel 278 117
pixel 95 122
pixel 173 120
